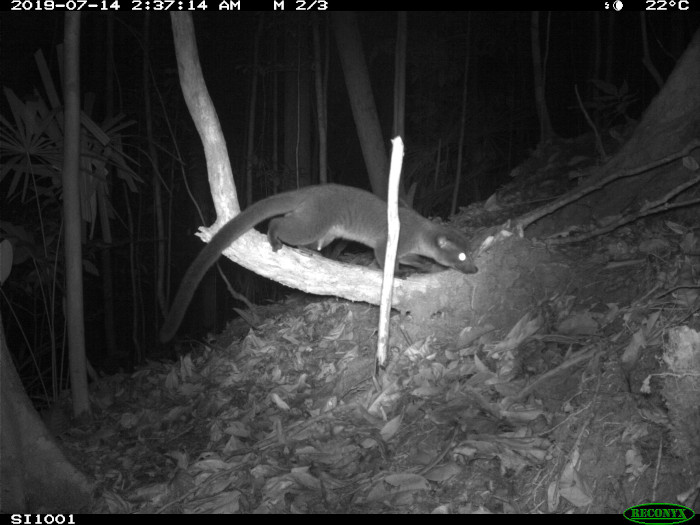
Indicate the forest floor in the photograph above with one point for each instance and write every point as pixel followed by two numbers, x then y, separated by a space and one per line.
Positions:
pixel 579 404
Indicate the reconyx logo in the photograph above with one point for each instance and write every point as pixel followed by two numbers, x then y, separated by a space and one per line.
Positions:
pixel 658 513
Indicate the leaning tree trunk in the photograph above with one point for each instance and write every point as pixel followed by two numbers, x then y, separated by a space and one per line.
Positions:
pixel 669 124
pixel 669 128
pixel 422 295
pixel 650 173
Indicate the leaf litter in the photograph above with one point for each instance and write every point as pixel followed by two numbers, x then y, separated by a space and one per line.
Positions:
pixel 572 395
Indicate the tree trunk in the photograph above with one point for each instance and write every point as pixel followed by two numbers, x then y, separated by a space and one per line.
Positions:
pixel 252 103
pixel 35 475
pixel 159 255
pixel 362 100
pixel 320 102
pixel 297 102
pixel 71 211
pixel 103 190
pixel 463 119
pixel 205 118
pixel 539 70
pixel 670 123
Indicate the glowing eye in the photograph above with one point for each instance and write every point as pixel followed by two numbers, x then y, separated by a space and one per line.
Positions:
pixel 462 256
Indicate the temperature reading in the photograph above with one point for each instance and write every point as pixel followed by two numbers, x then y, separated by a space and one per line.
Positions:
pixel 665 5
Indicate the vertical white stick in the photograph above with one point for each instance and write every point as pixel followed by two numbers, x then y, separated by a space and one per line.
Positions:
pixel 392 244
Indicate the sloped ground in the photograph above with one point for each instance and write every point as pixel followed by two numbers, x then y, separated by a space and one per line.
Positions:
pixel 575 388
